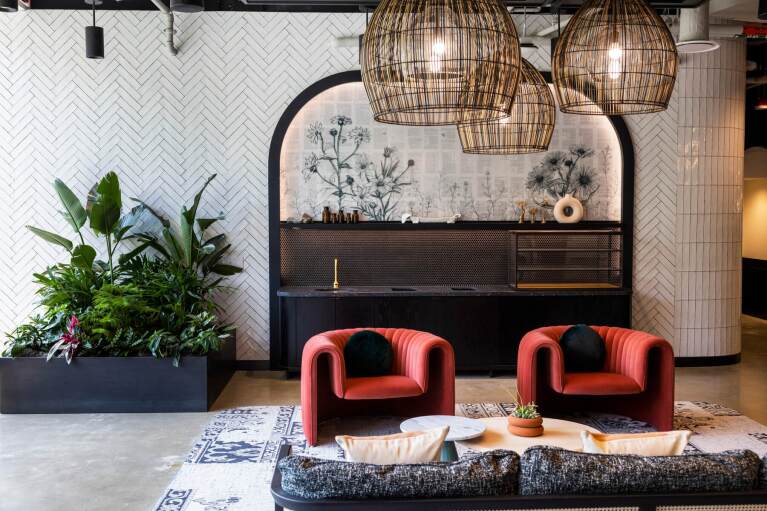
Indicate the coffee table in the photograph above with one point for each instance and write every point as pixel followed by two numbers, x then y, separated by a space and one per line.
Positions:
pixel 461 428
pixel 556 433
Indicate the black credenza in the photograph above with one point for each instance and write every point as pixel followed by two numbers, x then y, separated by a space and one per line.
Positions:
pixel 484 324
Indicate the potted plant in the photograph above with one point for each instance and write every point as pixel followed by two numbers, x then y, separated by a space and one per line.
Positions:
pixel 525 420
pixel 134 330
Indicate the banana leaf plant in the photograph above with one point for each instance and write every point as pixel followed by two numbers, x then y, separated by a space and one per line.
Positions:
pixel 188 245
pixel 102 212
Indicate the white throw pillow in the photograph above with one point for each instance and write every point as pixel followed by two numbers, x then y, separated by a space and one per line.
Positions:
pixel 662 443
pixel 400 448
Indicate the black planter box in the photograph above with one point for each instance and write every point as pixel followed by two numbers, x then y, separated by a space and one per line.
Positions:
pixel 114 384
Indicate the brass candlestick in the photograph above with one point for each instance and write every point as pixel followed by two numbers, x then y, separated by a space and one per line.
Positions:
pixel 336 284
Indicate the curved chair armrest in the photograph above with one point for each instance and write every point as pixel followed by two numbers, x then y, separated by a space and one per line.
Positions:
pixel 413 351
pixel 636 355
pixel 532 343
pixel 331 344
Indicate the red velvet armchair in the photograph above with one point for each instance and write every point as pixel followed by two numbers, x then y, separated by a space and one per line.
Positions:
pixel 637 379
pixel 422 380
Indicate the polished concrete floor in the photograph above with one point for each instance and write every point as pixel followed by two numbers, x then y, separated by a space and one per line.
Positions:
pixel 106 462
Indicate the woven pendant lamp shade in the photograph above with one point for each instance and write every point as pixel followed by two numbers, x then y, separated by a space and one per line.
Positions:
pixel 615 57
pixel 436 62
pixel 529 127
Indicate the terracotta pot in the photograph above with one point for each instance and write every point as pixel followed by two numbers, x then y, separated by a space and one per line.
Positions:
pixel 525 423
pixel 525 427
pixel 526 432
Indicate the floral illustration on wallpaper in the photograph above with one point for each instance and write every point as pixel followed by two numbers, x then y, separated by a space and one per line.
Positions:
pixel 349 175
pixel 336 155
pixel 561 173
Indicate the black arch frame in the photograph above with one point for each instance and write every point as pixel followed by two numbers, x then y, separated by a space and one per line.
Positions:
pixel 275 149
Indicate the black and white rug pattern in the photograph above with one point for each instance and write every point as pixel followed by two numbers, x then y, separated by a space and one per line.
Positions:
pixel 230 466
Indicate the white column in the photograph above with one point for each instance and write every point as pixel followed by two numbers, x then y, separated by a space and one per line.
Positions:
pixel 709 192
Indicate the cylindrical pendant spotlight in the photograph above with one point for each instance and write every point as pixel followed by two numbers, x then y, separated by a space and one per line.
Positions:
pixel 94 38
pixel 188 6
pixel 94 42
pixel 9 5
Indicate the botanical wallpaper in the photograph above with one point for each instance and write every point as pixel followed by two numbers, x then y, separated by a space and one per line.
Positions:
pixel 336 155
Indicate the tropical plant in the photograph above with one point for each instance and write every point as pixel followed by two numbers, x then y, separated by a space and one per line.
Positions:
pixel 102 212
pixel 188 246
pixel 136 304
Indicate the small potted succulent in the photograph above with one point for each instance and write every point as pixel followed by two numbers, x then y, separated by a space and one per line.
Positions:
pixel 525 420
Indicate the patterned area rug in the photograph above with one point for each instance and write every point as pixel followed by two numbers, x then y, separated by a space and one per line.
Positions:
pixel 230 467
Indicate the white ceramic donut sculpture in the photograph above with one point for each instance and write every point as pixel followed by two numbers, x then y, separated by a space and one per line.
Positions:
pixel 568 210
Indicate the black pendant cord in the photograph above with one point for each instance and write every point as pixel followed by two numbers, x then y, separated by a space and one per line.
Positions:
pixel 93 5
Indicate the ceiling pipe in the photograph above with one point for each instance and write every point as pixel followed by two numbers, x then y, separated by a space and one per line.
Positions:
pixel 553 30
pixel 693 31
pixel 168 25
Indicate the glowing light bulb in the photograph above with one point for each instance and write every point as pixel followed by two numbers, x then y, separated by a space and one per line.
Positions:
pixel 615 52
pixel 614 66
pixel 437 53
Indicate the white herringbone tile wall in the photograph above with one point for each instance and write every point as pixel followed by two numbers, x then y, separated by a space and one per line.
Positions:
pixel 654 138
pixel 164 123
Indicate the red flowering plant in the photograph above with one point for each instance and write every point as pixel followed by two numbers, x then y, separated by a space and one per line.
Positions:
pixel 68 343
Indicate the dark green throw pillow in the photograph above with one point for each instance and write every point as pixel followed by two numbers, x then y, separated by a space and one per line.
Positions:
pixel 368 353
pixel 583 348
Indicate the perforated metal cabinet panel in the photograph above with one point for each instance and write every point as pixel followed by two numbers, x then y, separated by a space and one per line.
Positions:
pixel 574 257
pixel 447 257
pixel 391 258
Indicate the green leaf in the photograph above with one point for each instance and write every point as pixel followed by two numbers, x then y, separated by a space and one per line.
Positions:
pixel 214 258
pixel 188 239
pixel 83 256
pixel 163 220
pixel 191 213
pixel 173 246
pixel 225 269
pixel 204 223
pixel 104 204
pixel 155 244
pixel 121 230
pixel 207 249
pixel 74 213
pixel 51 237
pixel 215 240
pixel 124 258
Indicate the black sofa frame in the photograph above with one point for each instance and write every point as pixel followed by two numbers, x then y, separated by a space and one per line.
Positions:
pixel 283 500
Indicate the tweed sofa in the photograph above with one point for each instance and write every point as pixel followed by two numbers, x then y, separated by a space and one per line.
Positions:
pixel 753 499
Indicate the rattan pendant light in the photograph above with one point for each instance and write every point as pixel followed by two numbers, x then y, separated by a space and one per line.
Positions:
pixel 529 127
pixel 436 62
pixel 615 57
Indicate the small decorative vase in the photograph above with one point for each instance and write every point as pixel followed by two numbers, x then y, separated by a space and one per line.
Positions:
pixel 525 427
pixel 568 210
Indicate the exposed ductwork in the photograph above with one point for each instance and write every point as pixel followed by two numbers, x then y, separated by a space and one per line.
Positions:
pixel 169 21
pixel 694 31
